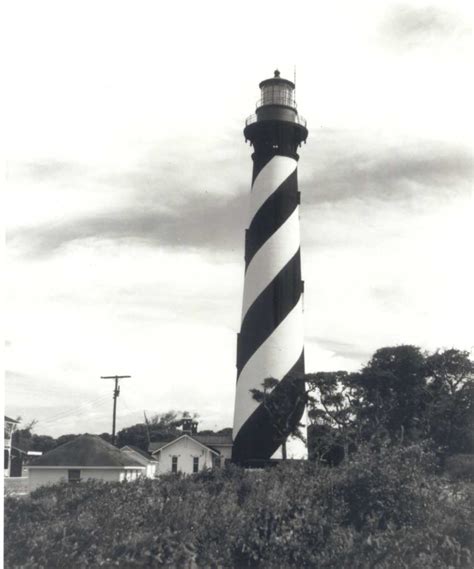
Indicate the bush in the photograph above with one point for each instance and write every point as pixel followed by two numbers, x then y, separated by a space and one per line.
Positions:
pixel 460 467
pixel 379 509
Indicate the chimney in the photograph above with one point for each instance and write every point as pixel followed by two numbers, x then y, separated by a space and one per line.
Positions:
pixel 189 426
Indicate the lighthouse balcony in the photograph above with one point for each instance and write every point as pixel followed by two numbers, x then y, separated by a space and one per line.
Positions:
pixel 290 117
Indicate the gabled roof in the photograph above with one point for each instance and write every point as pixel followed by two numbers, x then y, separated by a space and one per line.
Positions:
pixel 86 450
pixel 9 420
pixel 139 451
pixel 214 440
pixel 156 445
pixel 206 440
pixel 20 450
pixel 176 439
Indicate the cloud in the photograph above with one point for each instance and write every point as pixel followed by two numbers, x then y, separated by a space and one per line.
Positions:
pixel 202 221
pixel 185 197
pixel 170 205
pixel 46 170
pixel 408 26
pixel 38 392
pixel 346 167
pixel 341 349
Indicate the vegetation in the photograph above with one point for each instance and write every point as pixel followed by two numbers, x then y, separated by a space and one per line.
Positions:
pixel 402 395
pixel 381 508
pixel 159 427
pixel 389 484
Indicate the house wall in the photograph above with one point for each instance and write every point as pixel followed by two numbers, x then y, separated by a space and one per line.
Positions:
pixel 107 475
pixel 185 449
pixel 43 476
pixel 151 470
pixel 225 450
pixel 150 466
pixel 132 474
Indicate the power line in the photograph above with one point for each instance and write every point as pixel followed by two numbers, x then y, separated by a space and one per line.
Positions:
pixel 70 412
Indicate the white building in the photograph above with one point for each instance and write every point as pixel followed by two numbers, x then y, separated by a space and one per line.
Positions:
pixel 184 454
pixel 9 426
pixel 85 457
pixel 191 453
pixel 146 460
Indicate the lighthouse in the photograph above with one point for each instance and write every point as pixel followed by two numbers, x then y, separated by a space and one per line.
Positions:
pixel 270 342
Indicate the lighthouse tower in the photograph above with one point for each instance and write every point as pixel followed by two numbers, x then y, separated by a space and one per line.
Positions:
pixel 270 342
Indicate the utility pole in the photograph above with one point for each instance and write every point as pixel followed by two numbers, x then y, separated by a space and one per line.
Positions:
pixel 116 394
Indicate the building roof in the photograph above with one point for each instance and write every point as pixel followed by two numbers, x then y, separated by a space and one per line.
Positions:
pixel 9 420
pixel 211 441
pixel 86 450
pixel 214 440
pixel 156 445
pixel 175 439
pixel 20 450
pixel 139 451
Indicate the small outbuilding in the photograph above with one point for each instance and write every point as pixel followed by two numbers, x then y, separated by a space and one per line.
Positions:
pixel 143 458
pixel 85 457
pixel 192 452
pixel 183 454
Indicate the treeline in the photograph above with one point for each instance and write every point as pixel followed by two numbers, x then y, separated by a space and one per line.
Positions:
pixel 158 427
pixel 402 395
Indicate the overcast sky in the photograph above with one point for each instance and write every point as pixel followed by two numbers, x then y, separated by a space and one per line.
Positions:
pixel 128 179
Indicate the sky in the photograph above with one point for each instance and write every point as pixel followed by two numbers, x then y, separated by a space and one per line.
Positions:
pixel 128 179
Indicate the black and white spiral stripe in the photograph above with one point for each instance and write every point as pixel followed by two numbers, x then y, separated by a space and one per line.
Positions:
pixel 270 342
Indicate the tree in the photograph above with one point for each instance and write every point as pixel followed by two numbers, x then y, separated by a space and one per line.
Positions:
pixel 284 406
pixel 159 427
pixel 63 439
pixel 107 437
pixel 43 443
pixel 22 438
pixel 402 395
pixel 450 407
pixel 26 440
pixel 390 394
pixel 331 411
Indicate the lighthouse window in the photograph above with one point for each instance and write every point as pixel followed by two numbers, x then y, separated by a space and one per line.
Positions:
pixel 277 94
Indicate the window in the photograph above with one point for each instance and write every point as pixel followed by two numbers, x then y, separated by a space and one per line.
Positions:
pixel 174 464
pixel 217 461
pixel 6 456
pixel 195 464
pixel 74 475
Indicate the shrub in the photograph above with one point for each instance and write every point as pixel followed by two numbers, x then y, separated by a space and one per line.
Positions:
pixel 460 467
pixel 379 509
